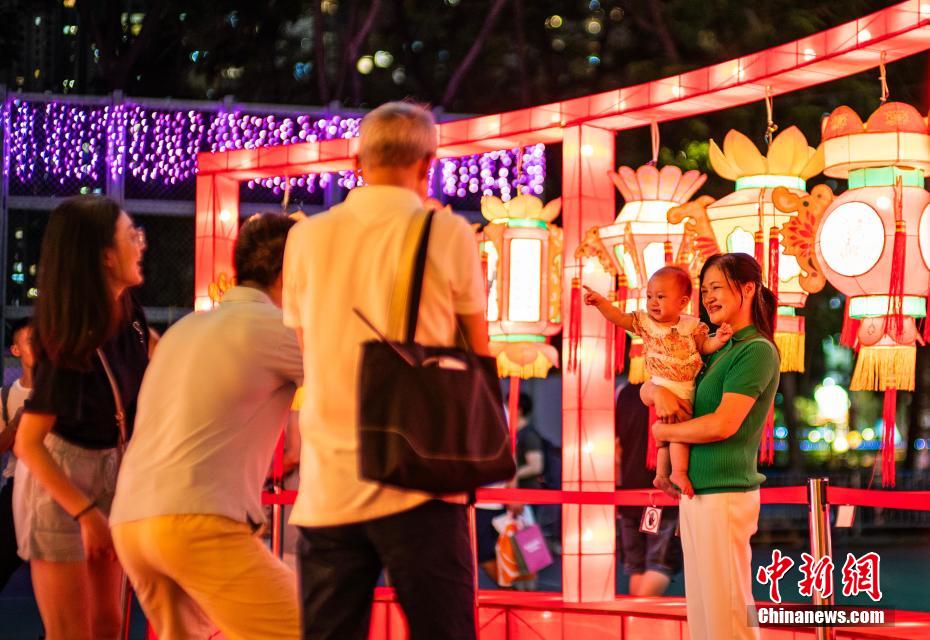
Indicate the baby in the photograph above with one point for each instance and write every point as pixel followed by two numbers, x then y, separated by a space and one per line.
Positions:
pixel 672 345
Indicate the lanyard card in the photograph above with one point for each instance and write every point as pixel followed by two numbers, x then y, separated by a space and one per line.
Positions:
pixel 652 517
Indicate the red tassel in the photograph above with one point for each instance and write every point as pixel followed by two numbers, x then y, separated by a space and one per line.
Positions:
pixel 623 293
pixel 574 324
pixel 773 260
pixel 609 338
pixel 889 412
pixel 619 349
pixel 760 248
pixel 894 325
pixel 513 412
pixel 849 336
pixel 652 451
pixel 895 322
pixel 668 252
pixel 767 447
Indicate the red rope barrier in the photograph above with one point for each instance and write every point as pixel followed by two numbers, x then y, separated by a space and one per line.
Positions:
pixel 913 500
pixel 623 498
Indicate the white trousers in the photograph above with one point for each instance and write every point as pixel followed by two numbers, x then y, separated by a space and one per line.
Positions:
pixel 715 532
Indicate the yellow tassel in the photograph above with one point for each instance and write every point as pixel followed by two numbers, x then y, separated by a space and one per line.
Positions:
pixel 791 347
pixel 538 368
pixel 880 368
pixel 637 373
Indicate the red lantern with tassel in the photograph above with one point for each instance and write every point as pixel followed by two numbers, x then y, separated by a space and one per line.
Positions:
pixel 750 221
pixel 885 161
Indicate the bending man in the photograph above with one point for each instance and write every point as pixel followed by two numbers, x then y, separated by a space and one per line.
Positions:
pixel 187 508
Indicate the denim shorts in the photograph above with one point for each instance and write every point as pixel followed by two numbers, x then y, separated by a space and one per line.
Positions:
pixel 645 552
pixel 45 531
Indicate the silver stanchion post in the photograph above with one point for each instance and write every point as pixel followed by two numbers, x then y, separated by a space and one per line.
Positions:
pixel 277 522
pixel 821 544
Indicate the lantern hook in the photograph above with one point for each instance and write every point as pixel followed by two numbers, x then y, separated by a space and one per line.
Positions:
pixel 883 77
pixel 770 127
pixel 654 134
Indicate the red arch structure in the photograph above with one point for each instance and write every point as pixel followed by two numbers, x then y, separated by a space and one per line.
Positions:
pixel 586 128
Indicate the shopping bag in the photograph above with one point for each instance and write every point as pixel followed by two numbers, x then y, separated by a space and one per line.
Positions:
pixel 531 549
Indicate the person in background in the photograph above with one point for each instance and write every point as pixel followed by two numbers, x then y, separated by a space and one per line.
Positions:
pixel 11 407
pixel 188 508
pixel 69 437
pixel 529 447
pixel 649 560
pixel 348 258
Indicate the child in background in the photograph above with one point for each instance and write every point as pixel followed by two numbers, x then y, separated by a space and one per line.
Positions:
pixel 11 405
pixel 672 346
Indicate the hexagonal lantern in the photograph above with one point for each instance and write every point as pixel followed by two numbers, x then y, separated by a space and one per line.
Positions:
pixel 749 221
pixel 523 254
pixel 640 241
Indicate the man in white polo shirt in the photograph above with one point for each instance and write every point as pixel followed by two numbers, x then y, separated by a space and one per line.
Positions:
pixel 213 402
pixel 345 258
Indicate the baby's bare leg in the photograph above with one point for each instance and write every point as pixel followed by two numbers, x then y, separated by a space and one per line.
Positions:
pixel 679 454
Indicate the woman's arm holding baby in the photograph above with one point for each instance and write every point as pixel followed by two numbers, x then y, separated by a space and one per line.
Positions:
pixel 715 426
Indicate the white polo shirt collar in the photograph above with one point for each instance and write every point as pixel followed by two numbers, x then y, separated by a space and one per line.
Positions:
pixel 382 199
pixel 245 294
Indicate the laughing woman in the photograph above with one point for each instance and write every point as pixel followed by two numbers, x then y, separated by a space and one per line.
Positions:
pixel 69 434
pixel 732 400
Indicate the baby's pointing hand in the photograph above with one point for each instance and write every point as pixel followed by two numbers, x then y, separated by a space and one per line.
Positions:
pixel 592 297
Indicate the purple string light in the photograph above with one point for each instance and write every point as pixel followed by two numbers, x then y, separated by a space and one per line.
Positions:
pixel 67 143
pixel 496 173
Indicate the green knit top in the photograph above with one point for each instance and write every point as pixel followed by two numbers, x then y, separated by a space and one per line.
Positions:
pixel 749 365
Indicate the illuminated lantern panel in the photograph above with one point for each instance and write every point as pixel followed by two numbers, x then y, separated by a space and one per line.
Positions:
pixel 924 235
pixel 525 280
pixel 522 253
pixel 870 249
pixel 857 239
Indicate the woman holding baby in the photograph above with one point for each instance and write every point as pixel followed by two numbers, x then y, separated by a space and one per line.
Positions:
pixel 732 397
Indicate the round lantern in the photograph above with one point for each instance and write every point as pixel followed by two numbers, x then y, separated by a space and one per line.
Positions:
pixel 640 241
pixel 522 253
pixel 748 221
pixel 869 246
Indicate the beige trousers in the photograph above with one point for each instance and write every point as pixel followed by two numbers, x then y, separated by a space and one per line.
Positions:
pixel 193 571
pixel 715 532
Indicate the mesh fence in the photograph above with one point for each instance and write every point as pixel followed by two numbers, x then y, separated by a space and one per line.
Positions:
pixel 64 146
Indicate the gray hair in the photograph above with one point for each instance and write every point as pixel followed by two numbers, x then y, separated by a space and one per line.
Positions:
pixel 397 134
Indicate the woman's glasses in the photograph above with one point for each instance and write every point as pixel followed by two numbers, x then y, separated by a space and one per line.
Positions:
pixel 137 235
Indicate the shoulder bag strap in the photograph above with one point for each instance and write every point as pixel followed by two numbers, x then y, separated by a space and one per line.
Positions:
pixel 416 279
pixel 117 398
pixel 405 271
